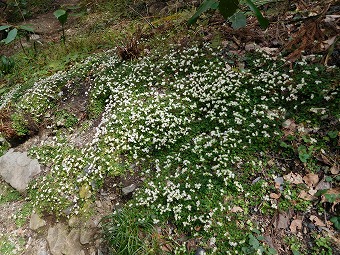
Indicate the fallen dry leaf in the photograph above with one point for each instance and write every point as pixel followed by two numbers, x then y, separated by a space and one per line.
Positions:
pixel 295 226
pixel 335 169
pixel 324 159
pixel 312 191
pixel 311 179
pixel 305 196
pixel 331 18
pixel 323 185
pixel 317 221
pixel 282 221
pixel 293 178
pixel 289 127
pixel 275 196
pixel 327 43
pixel 236 209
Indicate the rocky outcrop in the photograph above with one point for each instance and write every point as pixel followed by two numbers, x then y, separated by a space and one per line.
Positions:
pixel 17 169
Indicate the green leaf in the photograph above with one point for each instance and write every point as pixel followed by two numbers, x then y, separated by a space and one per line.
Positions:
pixel 264 23
pixel 260 238
pixel 61 15
pixel 271 251
pixel 228 7
pixel 284 145
pixel 238 20
pixel 206 5
pixel 303 155
pixel 328 179
pixel 336 222
pixel 11 36
pixel 256 231
pixel 27 27
pixel 320 192
pixel 4 27
pixel 331 198
pixel 253 242
pixel 295 252
pixel 332 134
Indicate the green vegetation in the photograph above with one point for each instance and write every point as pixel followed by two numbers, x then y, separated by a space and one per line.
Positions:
pixel 6 246
pixel 222 149
pixel 8 194
pixel 169 114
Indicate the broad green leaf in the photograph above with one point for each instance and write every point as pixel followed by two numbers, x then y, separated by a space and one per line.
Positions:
pixel 253 242
pixel 336 222
pixel 332 134
pixel 4 27
pixel 11 36
pixel 206 5
pixel 271 251
pixel 27 27
pixel 303 154
pixel 238 20
pixel 331 198
pixel 320 192
pixel 264 23
pixel 61 15
pixel 228 7
pixel 295 252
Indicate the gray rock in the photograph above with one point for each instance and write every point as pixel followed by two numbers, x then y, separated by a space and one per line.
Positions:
pixel 200 251
pixel 36 222
pixel 62 242
pixel 56 238
pixel 37 247
pixel 129 189
pixel 86 235
pixel 72 246
pixel 17 169
pixel 74 222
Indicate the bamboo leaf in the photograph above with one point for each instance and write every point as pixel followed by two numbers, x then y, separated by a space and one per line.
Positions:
pixel 238 20
pixel 27 27
pixel 4 27
pixel 228 7
pixel 11 36
pixel 61 15
pixel 264 23
pixel 206 5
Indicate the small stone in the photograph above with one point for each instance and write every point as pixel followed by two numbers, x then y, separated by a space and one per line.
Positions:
pixel 129 189
pixel 251 46
pixel 98 204
pixel 286 123
pixel 200 251
pixel 34 37
pixel 36 222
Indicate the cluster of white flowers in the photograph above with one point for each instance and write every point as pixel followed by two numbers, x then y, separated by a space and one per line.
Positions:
pixel 185 116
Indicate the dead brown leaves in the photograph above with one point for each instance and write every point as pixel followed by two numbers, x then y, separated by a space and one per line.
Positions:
pixel 317 32
pixel 130 47
pixel 6 123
